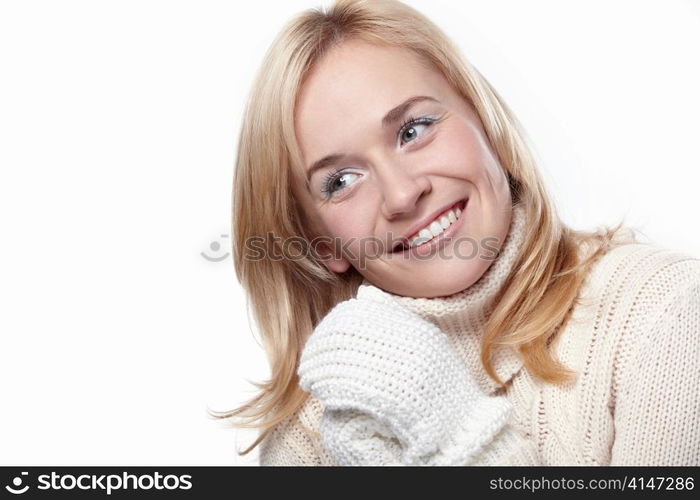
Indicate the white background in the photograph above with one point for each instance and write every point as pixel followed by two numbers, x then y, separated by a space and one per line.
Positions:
pixel 118 126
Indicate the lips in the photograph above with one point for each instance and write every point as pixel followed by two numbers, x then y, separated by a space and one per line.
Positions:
pixel 430 227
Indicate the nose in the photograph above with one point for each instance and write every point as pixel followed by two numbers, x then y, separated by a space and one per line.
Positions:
pixel 401 187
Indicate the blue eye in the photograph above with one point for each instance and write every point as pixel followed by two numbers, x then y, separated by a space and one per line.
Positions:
pixel 411 125
pixel 335 181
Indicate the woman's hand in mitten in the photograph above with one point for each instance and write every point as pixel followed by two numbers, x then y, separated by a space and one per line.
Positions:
pixel 394 389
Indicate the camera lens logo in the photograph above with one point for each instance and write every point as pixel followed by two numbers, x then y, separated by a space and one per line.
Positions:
pixel 215 246
pixel 17 482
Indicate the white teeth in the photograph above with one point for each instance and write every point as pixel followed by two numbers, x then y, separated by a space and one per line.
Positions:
pixel 423 236
pixel 436 227
pixel 418 240
pixel 425 233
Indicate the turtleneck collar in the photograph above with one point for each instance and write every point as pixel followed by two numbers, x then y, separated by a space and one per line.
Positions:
pixel 462 316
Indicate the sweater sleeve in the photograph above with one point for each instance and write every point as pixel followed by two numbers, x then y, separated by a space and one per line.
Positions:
pixel 657 408
pixel 289 444
pixel 366 440
pixel 509 448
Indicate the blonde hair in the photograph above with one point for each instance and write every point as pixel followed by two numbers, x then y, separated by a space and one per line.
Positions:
pixel 290 296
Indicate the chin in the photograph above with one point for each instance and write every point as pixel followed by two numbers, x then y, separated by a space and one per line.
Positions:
pixel 439 283
pixel 446 288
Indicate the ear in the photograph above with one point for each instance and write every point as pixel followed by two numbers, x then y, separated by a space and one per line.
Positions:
pixel 336 263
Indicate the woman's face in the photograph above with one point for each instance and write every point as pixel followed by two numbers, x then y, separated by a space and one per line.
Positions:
pixel 390 153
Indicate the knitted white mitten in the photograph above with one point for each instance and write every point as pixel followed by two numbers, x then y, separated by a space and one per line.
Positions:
pixel 394 390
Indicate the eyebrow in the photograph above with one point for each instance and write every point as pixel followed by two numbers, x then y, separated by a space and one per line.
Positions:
pixel 391 117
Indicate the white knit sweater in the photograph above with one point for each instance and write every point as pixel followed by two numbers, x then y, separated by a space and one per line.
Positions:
pixel 633 340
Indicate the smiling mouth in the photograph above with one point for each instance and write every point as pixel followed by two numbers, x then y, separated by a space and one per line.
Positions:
pixel 433 229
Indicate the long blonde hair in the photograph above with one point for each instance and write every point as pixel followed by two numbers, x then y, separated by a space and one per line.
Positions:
pixel 290 296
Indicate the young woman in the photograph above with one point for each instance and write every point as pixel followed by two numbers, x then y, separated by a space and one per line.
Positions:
pixel 435 309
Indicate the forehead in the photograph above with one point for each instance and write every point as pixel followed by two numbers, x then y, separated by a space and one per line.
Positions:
pixel 353 86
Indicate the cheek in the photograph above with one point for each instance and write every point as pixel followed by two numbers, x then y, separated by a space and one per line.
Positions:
pixel 347 227
pixel 350 220
pixel 464 153
pixel 352 223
